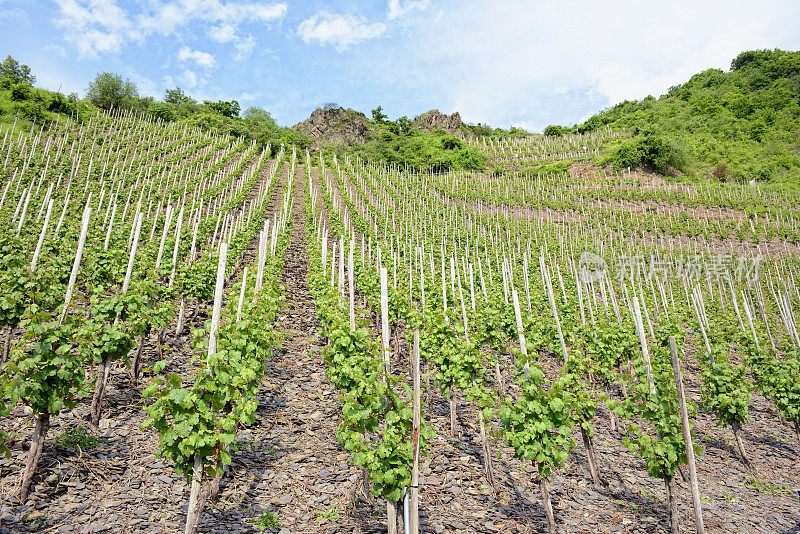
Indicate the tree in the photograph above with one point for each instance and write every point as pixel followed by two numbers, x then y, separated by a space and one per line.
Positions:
pixel 178 97
pixel 229 109
pixel 378 115
pixel 112 90
pixel 329 106
pixel 165 112
pixel 258 116
pixel 553 131
pixel 16 72
pixel 405 125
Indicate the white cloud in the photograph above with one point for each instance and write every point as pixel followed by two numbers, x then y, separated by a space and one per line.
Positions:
pixel 14 15
pixel 342 31
pixel 556 60
pixel 203 59
pixel 189 78
pixel 101 26
pixel 167 17
pixel 96 26
pixel 244 48
pixel 399 8
pixel 224 33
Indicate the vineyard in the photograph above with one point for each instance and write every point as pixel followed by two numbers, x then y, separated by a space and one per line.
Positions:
pixel 198 336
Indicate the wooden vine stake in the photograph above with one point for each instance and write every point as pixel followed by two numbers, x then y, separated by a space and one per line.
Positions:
pixel 104 367
pixel 391 506
pixel 551 297
pixel 643 343
pixel 520 332
pixel 413 527
pixel 350 287
pixel 241 295
pixel 687 437
pixel 385 318
pixel 42 236
pixel 198 493
pixel 87 214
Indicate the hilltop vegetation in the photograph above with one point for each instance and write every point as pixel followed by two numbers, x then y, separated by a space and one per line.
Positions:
pixel 741 124
pixel 736 125
pixel 22 102
pixel 431 142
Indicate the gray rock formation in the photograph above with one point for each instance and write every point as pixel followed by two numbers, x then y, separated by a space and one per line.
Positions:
pixel 436 120
pixel 336 125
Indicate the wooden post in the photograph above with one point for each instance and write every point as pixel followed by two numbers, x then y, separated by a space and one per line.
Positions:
pixel 351 287
pixel 643 343
pixel 520 332
pixel 42 235
pixel 696 304
pixel 217 309
pixel 687 437
pixel 525 278
pixel 551 297
pixel 413 527
pixel 391 517
pixel 87 214
pixel 749 314
pixel 167 223
pixel 385 318
pixel 241 295
pixel 341 267
pixel 197 496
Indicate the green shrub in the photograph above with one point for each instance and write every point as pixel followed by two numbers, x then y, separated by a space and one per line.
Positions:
pixel 267 520
pixel 21 91
pixel 31 111
pixel 79 437
pixel 553 131
pixel 165 112
pixel 628 154
pixel 59 103
pixel 650 150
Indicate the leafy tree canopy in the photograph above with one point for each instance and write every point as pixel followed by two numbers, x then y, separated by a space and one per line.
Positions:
pixel 110 90
pixel 227 108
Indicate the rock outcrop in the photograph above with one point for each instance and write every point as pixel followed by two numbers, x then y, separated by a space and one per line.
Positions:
pixel 436 120
pixel 335 125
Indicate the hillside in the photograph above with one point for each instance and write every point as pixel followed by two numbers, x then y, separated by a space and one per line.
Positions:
pixel 210 323
pixel 741 124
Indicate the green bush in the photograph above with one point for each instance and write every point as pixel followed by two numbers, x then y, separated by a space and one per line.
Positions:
pixel 554 131
pixel 165 112
pixel 32 111
pixel 79 437
pixel 649 150
pixel 434 151
pixel 59 103
pixel 21 91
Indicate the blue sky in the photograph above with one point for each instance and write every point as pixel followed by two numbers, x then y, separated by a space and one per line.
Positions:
pixel 515 62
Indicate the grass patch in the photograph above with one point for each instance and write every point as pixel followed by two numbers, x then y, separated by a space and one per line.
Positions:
pixel 331 514
pixel 267 520
pixel 765 486
pixel 79 437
